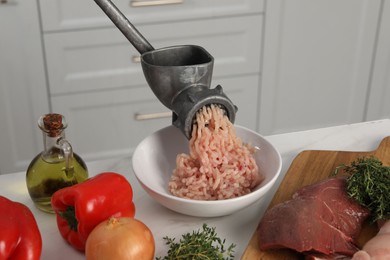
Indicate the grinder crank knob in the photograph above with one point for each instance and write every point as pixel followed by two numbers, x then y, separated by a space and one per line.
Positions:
pixel 189 101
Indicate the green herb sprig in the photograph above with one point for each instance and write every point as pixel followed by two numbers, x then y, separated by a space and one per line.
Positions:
pixel 200 245
pixel 369 184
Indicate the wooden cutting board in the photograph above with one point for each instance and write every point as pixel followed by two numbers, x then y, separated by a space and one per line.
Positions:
pixel 307 168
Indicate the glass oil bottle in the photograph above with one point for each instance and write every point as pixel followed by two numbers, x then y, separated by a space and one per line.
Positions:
pixel 56 167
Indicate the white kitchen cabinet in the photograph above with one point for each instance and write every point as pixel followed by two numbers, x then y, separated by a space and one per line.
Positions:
pixel 23 92
pixel 317 63
pixel 102 59
pixel 65 15
pixel 378 105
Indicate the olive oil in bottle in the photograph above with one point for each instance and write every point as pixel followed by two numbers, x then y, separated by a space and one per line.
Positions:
pixel 56 167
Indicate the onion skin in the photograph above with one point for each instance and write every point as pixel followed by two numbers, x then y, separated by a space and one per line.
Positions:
pixel 120 238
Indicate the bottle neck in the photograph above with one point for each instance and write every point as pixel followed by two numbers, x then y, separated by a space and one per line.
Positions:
pixel 56 148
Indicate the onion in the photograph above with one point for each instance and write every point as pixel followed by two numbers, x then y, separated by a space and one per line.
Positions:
pixel 120 238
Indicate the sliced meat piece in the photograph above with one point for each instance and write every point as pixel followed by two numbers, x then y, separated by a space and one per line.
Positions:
pixel 361 255
pixel 378 247
pixel 334 205
pixel 320 218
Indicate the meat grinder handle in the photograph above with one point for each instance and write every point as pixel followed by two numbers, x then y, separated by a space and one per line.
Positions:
pixel 125 26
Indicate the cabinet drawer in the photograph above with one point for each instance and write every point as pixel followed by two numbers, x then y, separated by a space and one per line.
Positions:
pixel 102 59
pixel 75 14
pixel 103 124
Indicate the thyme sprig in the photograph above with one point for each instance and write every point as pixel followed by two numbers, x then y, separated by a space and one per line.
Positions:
pixel 369 184
pixel 200 245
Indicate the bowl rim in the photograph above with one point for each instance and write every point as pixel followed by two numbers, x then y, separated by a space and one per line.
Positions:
pixel 213 202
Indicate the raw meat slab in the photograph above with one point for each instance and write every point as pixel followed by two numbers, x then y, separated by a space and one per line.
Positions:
pixel 309 167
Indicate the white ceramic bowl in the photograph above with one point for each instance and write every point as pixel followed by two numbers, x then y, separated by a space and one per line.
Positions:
pixel 155 158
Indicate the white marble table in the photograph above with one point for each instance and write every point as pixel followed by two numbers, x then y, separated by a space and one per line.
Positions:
pixel 237 228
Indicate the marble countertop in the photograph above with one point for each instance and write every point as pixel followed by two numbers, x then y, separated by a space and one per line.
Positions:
pixel 237 228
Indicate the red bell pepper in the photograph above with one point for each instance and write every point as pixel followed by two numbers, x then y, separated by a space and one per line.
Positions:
pixel 20 238
pixel 81 207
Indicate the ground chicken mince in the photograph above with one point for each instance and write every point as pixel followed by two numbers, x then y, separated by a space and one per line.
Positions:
pixel 219 165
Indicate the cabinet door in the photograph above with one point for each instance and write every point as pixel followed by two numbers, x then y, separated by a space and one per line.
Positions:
pixel 61 15
pixel 317 61
pixel 92 60
pixel 107 124
pixel 379 96
pixel 23 95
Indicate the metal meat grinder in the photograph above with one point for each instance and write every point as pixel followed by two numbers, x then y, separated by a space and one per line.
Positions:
pixel 179 76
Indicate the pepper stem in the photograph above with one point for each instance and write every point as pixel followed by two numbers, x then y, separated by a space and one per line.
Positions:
pixel 70 215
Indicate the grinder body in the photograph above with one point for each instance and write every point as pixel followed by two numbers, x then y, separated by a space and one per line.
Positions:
pixel 180 77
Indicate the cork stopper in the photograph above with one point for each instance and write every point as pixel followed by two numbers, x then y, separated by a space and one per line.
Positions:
pixel 53 124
